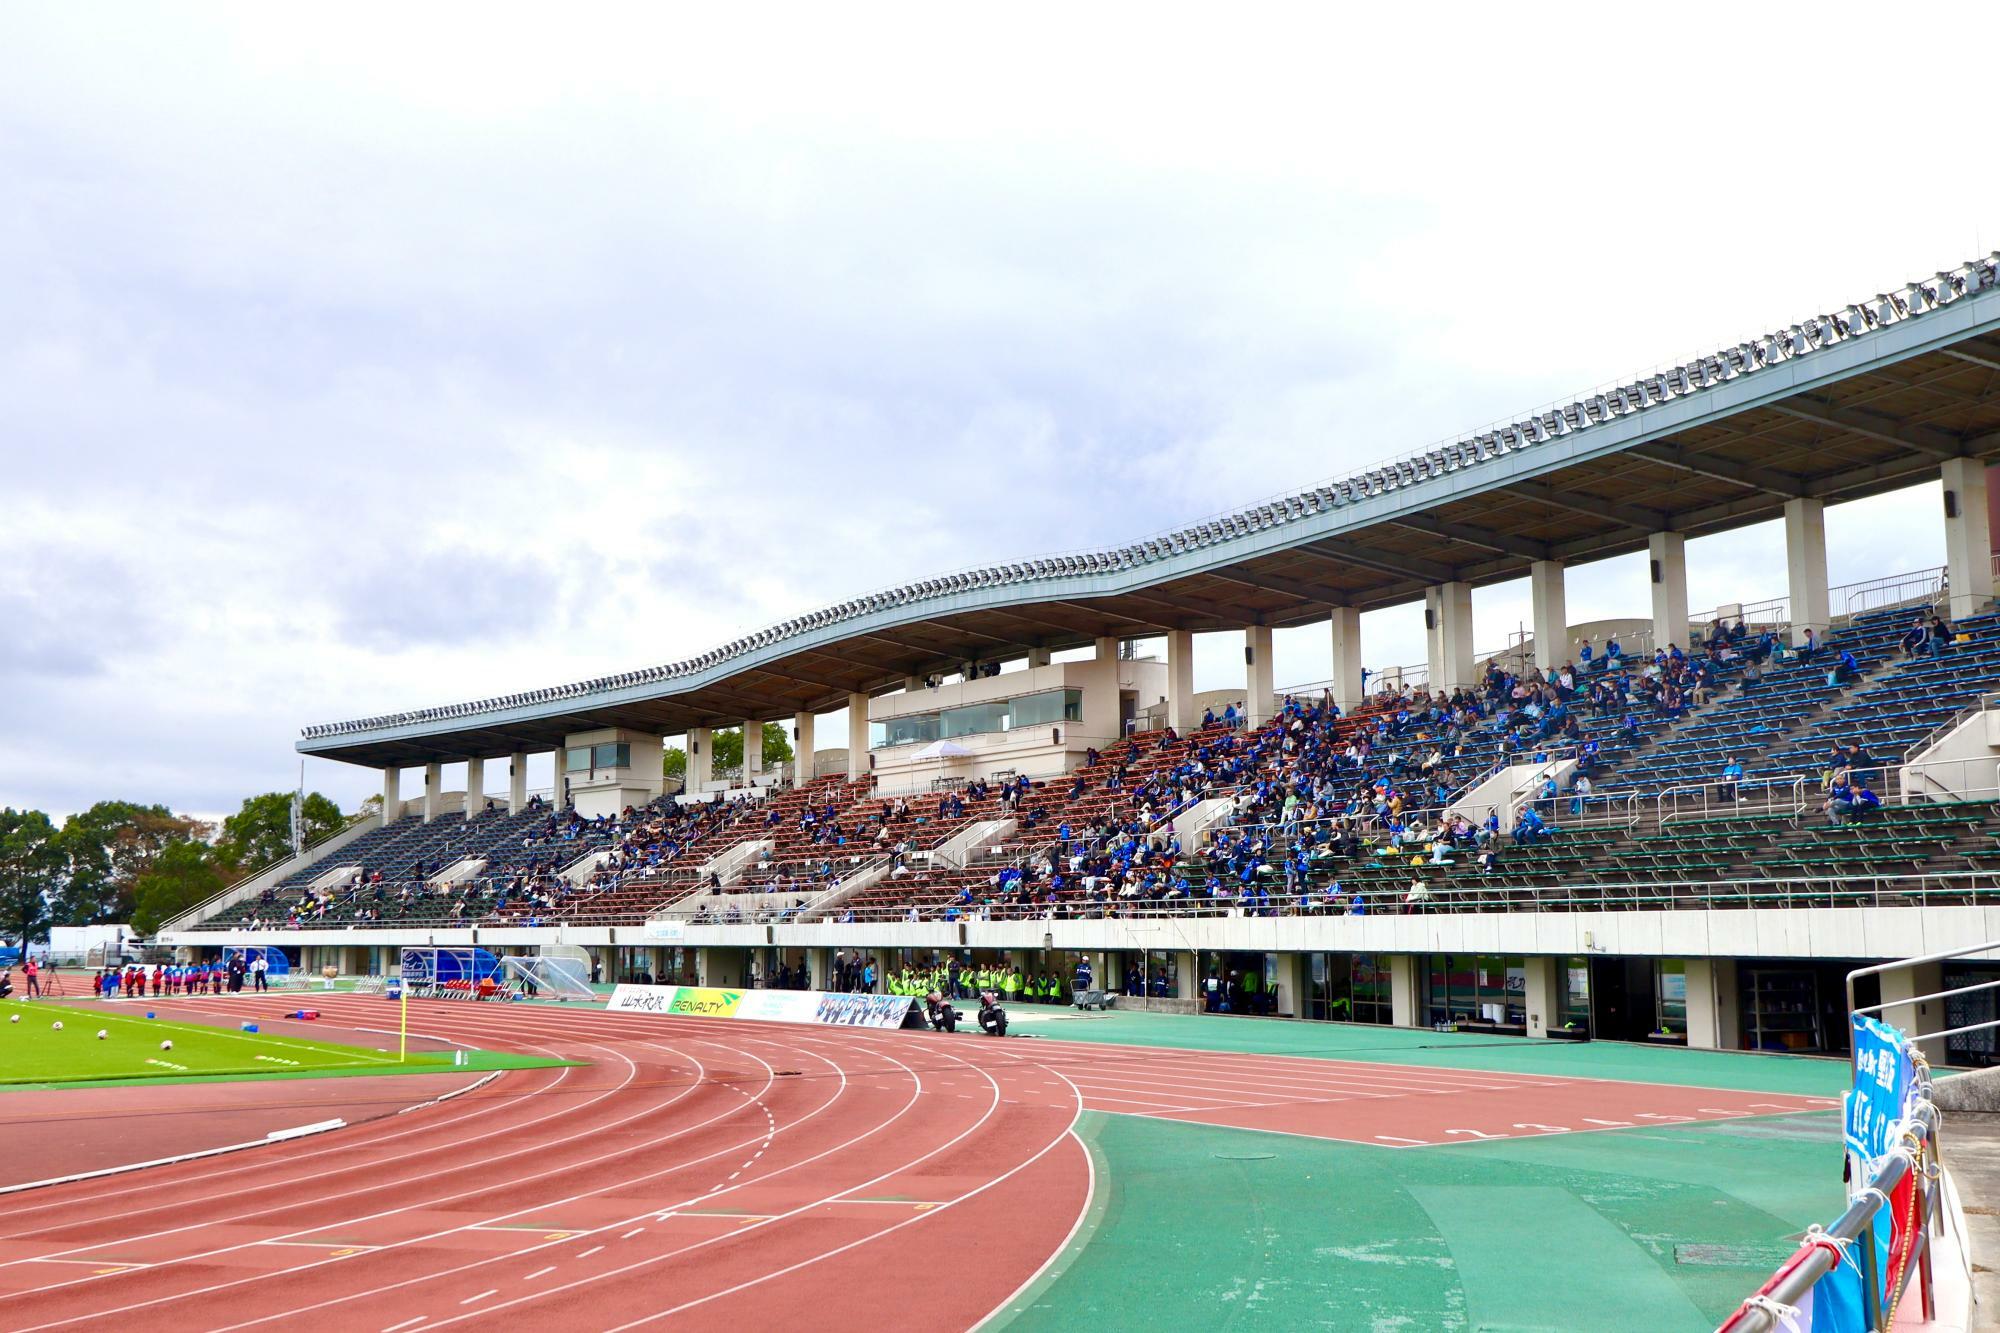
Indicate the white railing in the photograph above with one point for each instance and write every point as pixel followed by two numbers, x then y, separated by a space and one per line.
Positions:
pixel 1773 613
pixel 1747 796
pixel 1918 587
pixel 1975 778
pixel 1465 894
pixel 1396 679
pixel 1987 702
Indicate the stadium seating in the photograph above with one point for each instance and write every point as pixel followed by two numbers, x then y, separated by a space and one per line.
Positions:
pixel 1326 812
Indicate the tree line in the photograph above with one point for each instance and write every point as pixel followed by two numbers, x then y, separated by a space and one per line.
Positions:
pixel 726 751
pixel 120 861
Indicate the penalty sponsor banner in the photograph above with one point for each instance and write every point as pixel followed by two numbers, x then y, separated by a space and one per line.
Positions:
pixel 765 1006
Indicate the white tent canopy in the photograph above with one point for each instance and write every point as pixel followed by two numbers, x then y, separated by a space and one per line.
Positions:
pixel 943 750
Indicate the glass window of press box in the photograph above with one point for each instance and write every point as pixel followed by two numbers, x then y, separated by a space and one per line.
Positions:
pixel 1034 710
pixel 587 758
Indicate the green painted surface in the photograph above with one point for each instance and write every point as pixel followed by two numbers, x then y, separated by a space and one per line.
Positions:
pixel 1420 1046
pixel 35 1054
pixel 1655 1229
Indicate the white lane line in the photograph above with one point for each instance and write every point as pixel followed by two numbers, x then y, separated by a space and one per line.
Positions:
pixel 471 1300
pixel 1391 1138
pixel 633 1232
pixel 592 1250
pixel 539 1272
pixel 407 1323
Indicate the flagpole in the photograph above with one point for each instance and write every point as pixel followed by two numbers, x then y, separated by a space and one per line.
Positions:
pixel 403 1038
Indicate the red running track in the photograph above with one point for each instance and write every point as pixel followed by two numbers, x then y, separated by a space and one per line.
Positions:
pixel 1385 1105
pixel 696 1173
pixel 704 1172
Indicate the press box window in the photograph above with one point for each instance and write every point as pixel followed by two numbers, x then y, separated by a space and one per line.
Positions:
pixel 586 758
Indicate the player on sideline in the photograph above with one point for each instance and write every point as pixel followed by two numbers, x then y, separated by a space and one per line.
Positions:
pixel 34 976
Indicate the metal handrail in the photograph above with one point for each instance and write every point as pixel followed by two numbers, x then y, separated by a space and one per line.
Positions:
pixel 1818 1255
pixel 1796 785
pixel 1444 897
pixel 1928 583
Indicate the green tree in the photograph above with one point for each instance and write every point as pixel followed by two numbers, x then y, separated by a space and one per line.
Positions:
pixel 726 752
pixel 106 849
pixel 728 746
pixel 261 832
pixel 182 876
pixel 30 867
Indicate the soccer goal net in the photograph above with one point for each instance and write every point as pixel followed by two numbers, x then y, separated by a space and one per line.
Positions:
pixel 549 977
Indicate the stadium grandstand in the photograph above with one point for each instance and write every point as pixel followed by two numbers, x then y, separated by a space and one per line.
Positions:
pixel 1682 826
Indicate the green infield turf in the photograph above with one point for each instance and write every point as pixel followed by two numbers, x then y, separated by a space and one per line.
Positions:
pixel 34 1050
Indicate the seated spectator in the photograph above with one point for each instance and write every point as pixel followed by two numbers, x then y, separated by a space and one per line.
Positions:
pixel 1732 779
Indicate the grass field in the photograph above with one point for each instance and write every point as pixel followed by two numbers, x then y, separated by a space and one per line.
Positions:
pixel 33 1050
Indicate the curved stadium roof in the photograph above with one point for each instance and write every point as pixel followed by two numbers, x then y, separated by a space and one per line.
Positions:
pixel 1839 405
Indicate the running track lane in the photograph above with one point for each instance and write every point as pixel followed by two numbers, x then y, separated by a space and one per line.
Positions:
pixel 1386 1105
pixel 789 1173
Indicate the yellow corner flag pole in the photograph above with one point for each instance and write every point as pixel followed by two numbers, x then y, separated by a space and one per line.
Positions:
pixel 403 1037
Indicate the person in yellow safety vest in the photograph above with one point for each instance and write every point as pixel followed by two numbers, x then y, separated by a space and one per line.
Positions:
pixel 1011 986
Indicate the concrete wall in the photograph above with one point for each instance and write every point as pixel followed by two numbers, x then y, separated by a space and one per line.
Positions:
pixel 1961 765
pixel 1880 933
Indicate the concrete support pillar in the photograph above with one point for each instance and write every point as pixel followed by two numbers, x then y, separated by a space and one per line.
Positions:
pixel 1968 536
pixel 1107 650
pixel 1544 993
pixel 1433 630
pixel 433 780
pixel 802 747
pixel 475 787
pixel 1258 676
pixel 517 782
pixel 392 795
pixel 701 758
pixel 1805 566
pixel 857 736
pixel 1187 985
pixel 1290 979
pixel 1349 687
pixel 1551 614
pixel 1448 615
pixel 559 795
pixel 1180 680
pixel 1667 567
pixel 1038 657
pixel 1918 1018
pixel 1713 1016
pixel 753 751
pixel 1406 990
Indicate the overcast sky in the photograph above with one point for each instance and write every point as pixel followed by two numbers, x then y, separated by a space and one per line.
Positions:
pixel 368 357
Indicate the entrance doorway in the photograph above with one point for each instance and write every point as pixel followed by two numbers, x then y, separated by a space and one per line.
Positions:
pixel 1621 998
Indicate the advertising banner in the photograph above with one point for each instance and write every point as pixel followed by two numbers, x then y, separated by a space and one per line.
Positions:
pixel 763 1006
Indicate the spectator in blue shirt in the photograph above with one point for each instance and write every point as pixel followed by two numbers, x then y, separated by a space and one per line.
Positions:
pixel 1732 778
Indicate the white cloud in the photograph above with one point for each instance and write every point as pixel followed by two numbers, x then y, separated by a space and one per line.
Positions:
pixel 431 353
